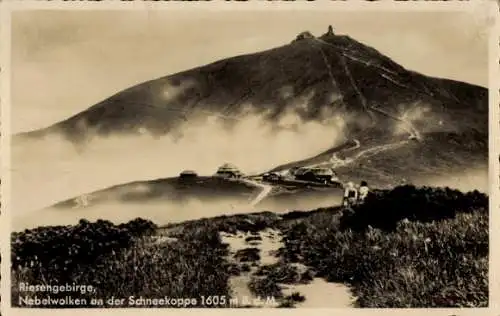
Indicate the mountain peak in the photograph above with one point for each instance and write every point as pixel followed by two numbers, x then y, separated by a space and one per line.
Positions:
pixel 308 35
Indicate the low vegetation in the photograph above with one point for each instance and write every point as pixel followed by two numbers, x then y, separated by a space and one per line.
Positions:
pixel 385 208
pixel 137 266
pixel 247 255
pixel 406 247
pixel 252 223
pixel 57 253
pixel 265 287
pixel 284 273
pixel 253 238
pixel 289 301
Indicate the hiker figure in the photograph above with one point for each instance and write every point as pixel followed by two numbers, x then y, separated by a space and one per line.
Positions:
pixel 350 195
pixel 363 191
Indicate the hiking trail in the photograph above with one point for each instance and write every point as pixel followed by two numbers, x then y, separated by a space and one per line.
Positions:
pixel 265 190
pixel 318 292
pixel 368 108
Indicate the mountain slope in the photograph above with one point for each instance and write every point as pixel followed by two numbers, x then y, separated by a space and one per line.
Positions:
pixel 314 78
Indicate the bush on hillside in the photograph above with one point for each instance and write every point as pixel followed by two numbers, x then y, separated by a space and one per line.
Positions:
pixel 55 254
pixel 122 261
pixel 55 251
pixel 384 208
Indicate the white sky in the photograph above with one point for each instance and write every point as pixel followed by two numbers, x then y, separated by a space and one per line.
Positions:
pixel 65 61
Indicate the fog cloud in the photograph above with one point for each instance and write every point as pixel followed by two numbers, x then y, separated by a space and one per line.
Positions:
pixel 47 171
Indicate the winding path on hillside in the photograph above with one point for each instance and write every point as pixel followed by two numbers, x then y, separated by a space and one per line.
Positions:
pixel 368 108
pixel 265 190
pixel 336 162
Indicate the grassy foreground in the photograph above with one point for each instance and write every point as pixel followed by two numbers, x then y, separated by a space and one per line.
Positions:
pixel 407 247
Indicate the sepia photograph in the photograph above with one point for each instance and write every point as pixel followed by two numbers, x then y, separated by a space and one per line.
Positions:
pixel 195 158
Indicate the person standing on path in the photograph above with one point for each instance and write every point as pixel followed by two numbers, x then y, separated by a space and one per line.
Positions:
pixel 363 191
pixel 350 195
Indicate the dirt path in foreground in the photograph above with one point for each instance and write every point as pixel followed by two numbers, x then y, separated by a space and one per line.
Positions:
pixel 318 293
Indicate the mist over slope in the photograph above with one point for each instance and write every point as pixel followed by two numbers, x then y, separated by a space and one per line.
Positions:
pixel 261 111
pixel 51 170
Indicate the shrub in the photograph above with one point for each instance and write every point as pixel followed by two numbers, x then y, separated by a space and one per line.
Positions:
pixel 245 268
pixel 121 261
pixel 248 255
pixel 384 208
pixel 55 252
pixel 280 273
pixel 265 287
pixel 253 238
pixel 296 297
